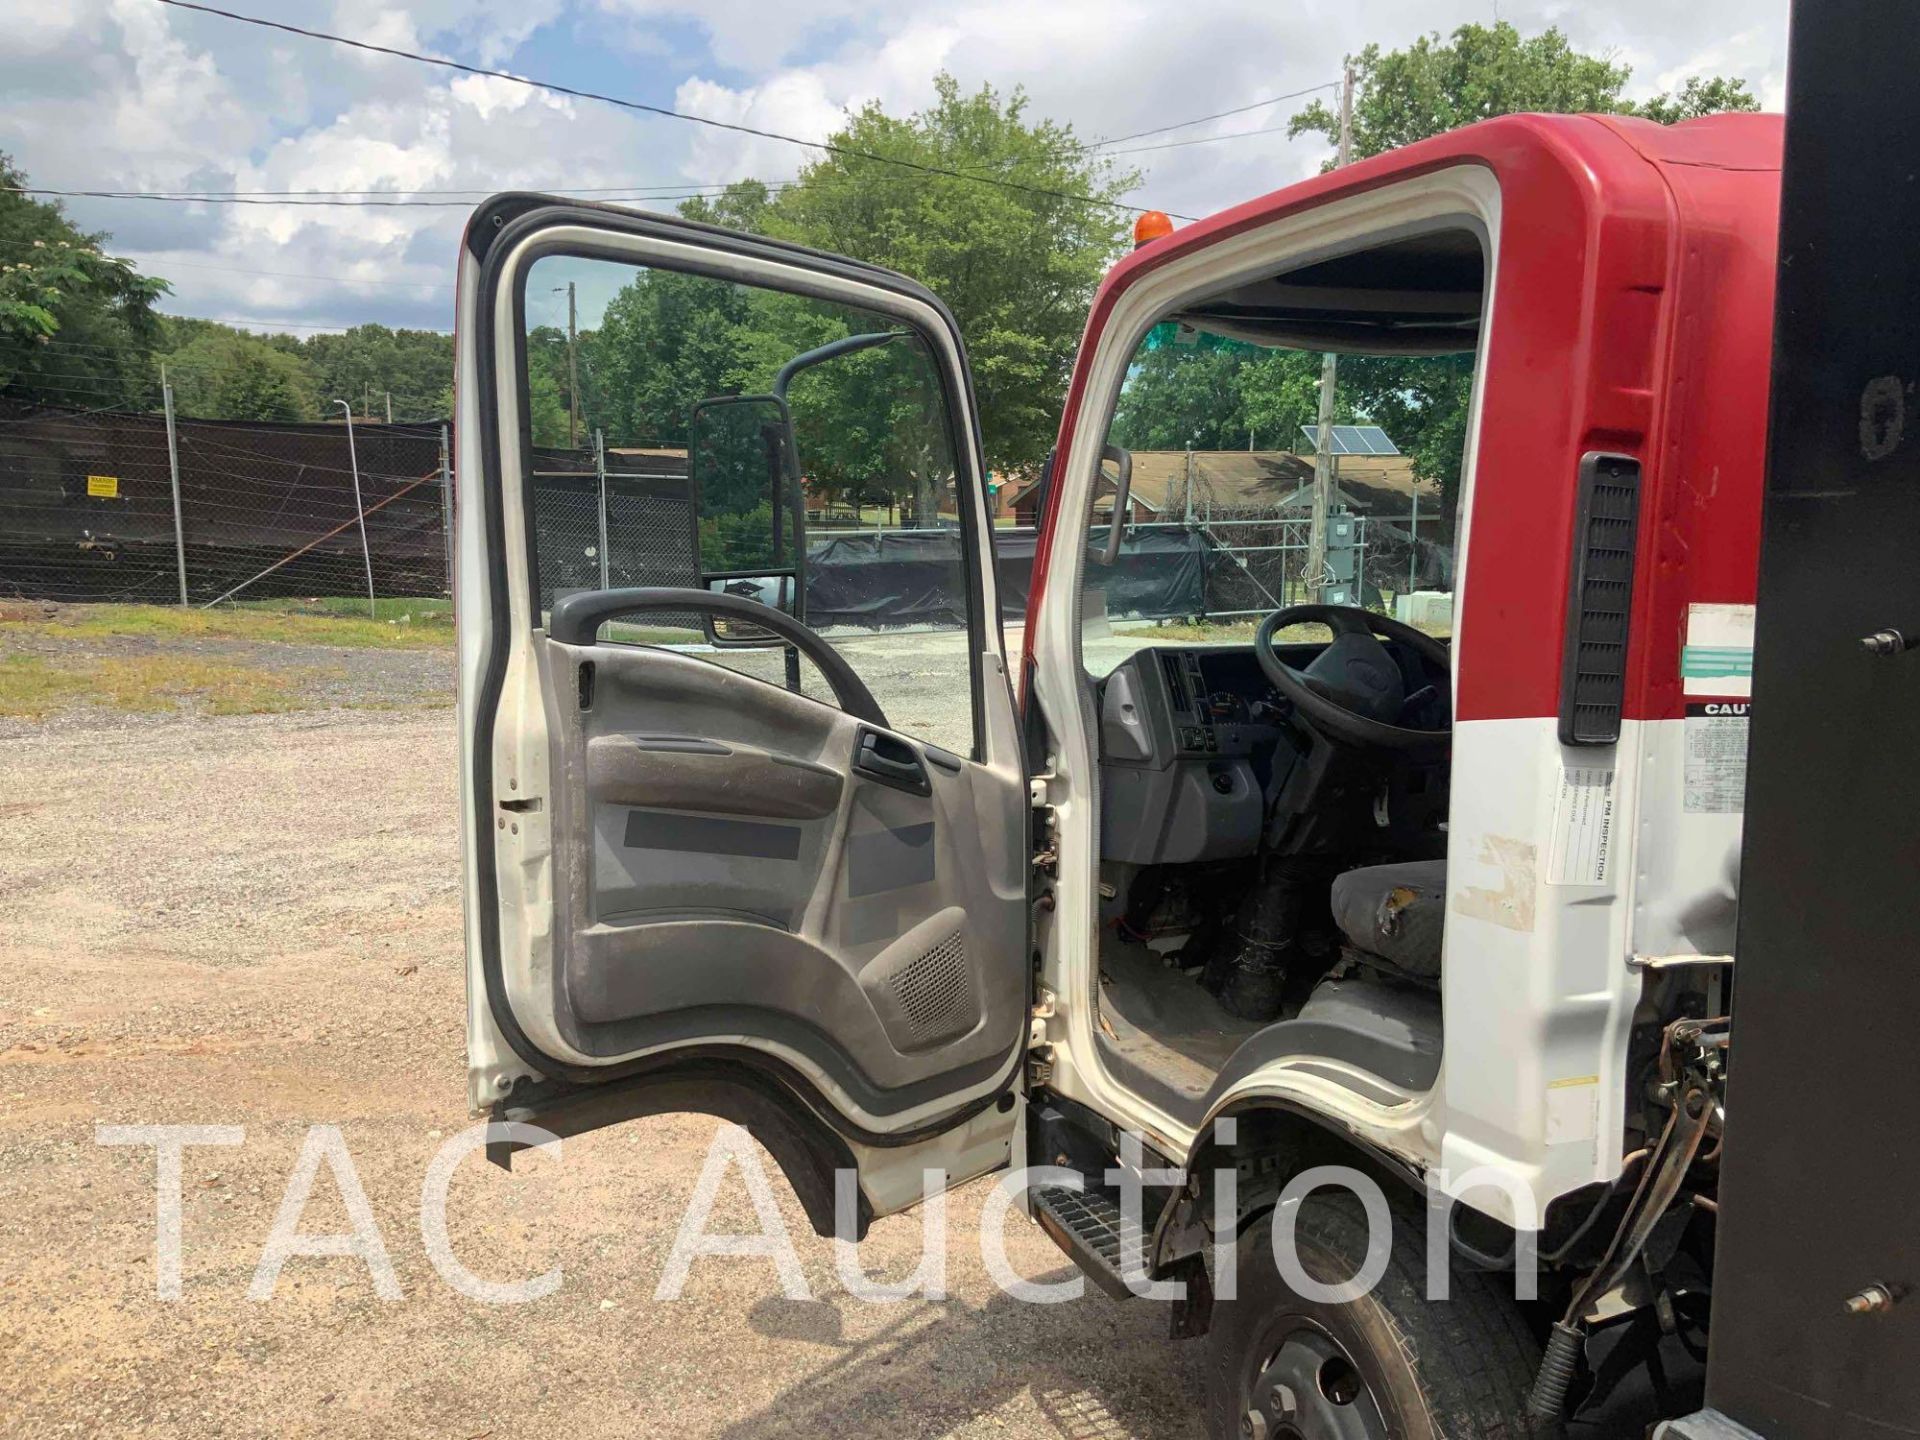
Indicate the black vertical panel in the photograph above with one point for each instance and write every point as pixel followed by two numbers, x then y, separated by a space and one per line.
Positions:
pixel 1821 1196
pixel 1593 676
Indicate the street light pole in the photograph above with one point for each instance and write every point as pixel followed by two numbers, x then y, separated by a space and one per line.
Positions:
pixel 359 509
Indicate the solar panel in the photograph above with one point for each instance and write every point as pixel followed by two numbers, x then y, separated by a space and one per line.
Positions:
pixel 1350 440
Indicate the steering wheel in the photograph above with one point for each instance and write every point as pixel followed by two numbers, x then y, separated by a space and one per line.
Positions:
pixel 1353 691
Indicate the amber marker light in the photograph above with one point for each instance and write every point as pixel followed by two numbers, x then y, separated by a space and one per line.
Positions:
pixel 1151 226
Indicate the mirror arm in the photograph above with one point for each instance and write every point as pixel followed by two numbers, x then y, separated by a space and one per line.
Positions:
pixel 1122 492
pixel 832 350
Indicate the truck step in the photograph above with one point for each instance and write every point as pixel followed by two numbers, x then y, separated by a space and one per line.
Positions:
pixel 1088 1225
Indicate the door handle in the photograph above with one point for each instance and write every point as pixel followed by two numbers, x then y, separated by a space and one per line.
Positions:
pixel 890 760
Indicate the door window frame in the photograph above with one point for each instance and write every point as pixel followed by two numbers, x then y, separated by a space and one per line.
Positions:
pixel 619 237
pixel 1463 194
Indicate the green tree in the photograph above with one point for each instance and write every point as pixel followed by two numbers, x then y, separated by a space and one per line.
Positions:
pixel 77 327
pixel 369 362
pixel 1421 401
pixel 666 341
pixel 743 205
pixel 547 384
pixel 1435 85
pixel 219 373
pixel 1213 393
pixel 1017 266
pixel 1699 97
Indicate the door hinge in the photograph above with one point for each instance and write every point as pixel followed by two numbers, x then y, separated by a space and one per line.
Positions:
pixel 1039 1067
pixel 1046 852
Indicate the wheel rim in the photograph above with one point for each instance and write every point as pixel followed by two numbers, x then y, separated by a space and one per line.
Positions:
pixel 1311 1390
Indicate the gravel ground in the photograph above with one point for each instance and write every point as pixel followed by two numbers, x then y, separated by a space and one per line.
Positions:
pixel 254 921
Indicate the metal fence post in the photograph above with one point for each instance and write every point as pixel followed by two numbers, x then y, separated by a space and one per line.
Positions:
pixel 600 469
pixel 446 502
pixel 359 508
pixel 173 471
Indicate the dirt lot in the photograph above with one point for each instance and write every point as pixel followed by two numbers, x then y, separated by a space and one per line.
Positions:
pixel 254 920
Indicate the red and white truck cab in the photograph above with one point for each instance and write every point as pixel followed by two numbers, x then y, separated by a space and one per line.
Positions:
pixel 1456 913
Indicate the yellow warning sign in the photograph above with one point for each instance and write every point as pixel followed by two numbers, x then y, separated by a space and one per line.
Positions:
pixel 103 487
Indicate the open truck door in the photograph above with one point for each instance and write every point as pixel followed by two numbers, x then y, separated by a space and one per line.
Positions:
pixel 691 884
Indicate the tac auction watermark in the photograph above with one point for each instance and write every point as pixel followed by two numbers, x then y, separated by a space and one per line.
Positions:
pixel 733 1157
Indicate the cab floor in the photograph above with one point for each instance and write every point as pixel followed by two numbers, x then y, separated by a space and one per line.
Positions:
pixel 1159 1018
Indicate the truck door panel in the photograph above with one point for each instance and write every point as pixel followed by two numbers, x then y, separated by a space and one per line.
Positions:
pixel 720 857
pixel 684 880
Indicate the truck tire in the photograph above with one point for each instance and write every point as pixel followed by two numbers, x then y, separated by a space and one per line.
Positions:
pixel 1390 1365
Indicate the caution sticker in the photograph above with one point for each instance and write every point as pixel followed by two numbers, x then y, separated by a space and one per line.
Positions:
pixel 103 487
pixel 1716 767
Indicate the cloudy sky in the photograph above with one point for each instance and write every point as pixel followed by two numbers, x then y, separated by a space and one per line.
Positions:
pixel 135 95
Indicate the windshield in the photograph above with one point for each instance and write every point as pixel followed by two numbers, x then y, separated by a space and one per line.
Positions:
pixel 1223 437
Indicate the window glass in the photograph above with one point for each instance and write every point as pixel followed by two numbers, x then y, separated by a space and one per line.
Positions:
pixel 694 432
pixel 1221 437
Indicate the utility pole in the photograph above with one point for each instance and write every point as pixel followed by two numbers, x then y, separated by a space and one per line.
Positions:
pixel 573 371
pixel 1317 576
pixel 389 407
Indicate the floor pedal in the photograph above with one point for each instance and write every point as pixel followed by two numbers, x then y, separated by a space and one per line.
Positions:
pixel 1088 1225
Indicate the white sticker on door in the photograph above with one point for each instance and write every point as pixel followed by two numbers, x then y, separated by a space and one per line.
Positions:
pixel 1573 1109
pixel 1582 827
pixel 1718 656
pixel 1716 774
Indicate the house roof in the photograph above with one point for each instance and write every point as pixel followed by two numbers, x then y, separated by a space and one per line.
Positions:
pixel 1268 480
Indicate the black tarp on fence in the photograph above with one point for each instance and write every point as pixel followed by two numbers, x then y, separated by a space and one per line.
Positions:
pixel 890 578
pixel 86 514
pixel 86 508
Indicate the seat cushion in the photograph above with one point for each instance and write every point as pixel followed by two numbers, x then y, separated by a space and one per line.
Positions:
pixel 1396 912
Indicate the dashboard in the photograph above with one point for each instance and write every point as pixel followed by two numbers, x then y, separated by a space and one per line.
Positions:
pixel 1192 740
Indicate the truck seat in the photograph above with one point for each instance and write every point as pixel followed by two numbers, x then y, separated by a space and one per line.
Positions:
pixel 1396 913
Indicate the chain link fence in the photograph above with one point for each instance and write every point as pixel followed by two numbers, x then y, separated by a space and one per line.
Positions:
pixel 1260 559
pixel 100 506
pixel 107 506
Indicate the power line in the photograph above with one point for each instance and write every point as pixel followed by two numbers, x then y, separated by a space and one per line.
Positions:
pixel 1183 124
pixel 268 197
pixel 636 186
pixel 298 325
pixel 1201 140
pixel 827 146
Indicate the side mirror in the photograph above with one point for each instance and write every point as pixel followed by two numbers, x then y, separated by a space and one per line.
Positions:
pixel 779 591
pixel 749 513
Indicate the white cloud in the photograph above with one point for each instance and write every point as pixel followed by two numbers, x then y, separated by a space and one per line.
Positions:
pixel 130 94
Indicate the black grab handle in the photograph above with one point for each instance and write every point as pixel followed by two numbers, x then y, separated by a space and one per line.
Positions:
pixel 577 619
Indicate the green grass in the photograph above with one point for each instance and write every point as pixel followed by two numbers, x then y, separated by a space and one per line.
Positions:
pixel 406 625
pixel 34 686
pixel 407 611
